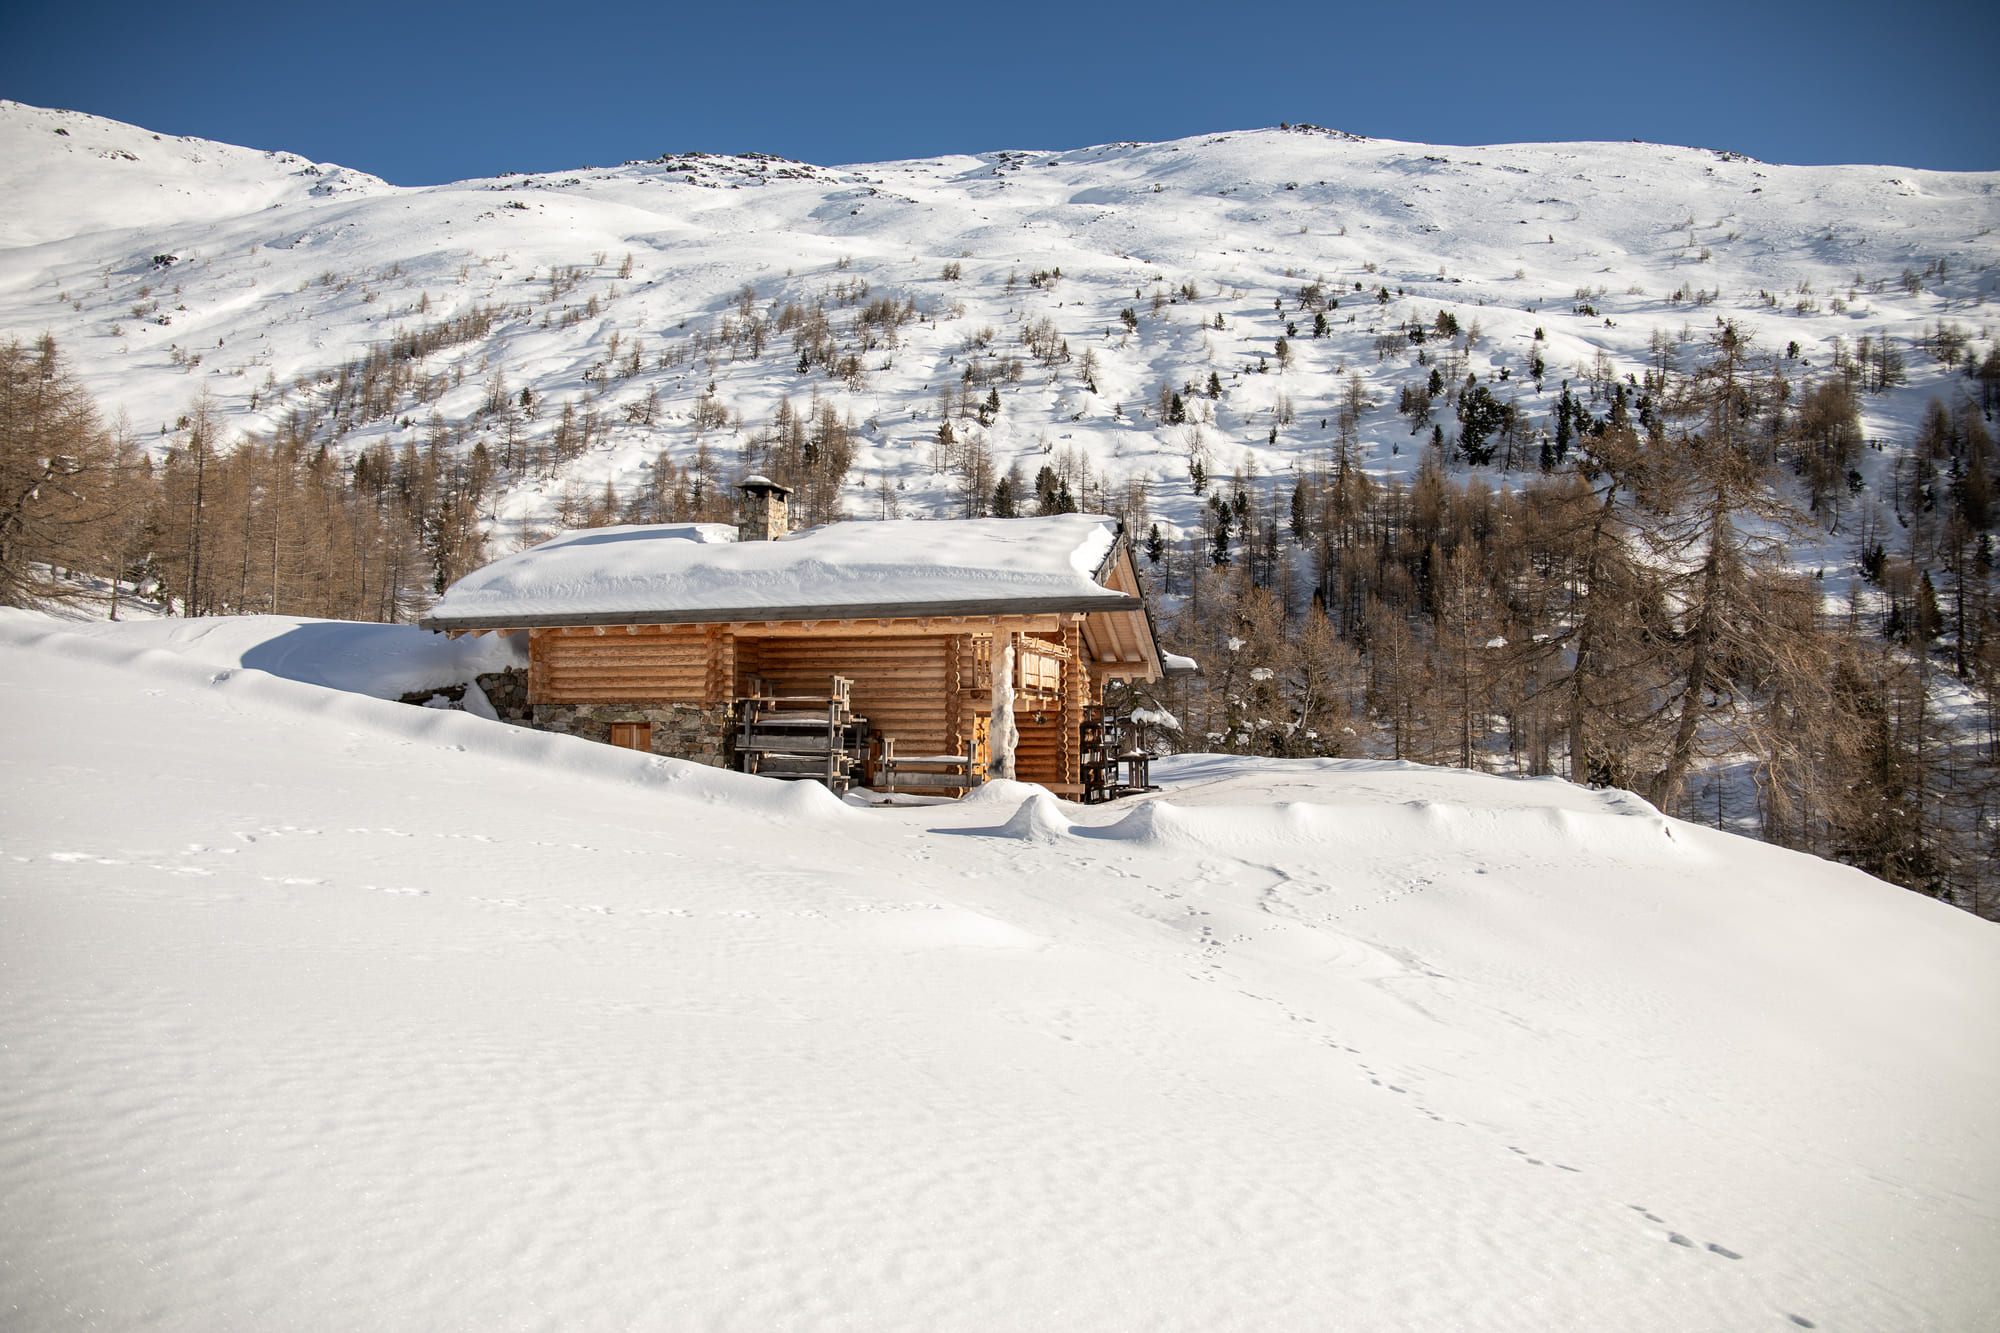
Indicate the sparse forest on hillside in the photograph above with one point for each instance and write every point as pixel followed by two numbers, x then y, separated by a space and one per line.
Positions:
pixel 1623 612
pixel 1647 466
pixel 1615 605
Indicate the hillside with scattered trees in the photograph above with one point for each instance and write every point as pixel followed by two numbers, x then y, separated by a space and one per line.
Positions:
pixel 1653 468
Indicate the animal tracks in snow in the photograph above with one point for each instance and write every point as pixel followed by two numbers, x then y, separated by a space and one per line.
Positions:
pixel 92 859
pixel 1685 1242
pixel 1522 1153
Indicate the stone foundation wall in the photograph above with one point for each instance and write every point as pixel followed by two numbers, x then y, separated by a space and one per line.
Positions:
pixel 452 696
pixel 507 691
pixel 680 731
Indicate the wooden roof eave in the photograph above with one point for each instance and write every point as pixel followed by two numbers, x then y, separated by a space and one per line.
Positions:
pixel 1137 622
pixel 992 606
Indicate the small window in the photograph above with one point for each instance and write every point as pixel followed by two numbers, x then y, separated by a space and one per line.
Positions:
pixel 633 735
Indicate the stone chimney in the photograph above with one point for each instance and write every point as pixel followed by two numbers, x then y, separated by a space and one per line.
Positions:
pixel 763 515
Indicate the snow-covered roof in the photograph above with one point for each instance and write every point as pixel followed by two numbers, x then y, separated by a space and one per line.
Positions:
pixel 683 573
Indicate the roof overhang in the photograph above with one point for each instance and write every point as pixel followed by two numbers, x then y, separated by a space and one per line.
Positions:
pixel 995 606
pixel 1123 642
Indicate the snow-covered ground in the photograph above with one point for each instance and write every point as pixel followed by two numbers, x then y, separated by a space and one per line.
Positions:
pixel 326 1012
pixel 168 266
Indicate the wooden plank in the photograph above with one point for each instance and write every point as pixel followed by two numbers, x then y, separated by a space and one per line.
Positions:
pixel 622 654
pixel 779 765
pixel 858 636
pixel 920 675
pixel 636 628
pixel 929 675
pixel 901 703
pixel 630 650
pixel 762 742
pixel 917 675
pixel 682 676
pixel 895 628
pixel 562 691
pixel 632 642
pixel 904 779
pixel 691 677
pixel 826 654
pixel 692 670
pixel 925 675
pixel 629 671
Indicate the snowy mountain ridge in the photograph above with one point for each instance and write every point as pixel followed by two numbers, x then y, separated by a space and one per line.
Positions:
pixel 168 267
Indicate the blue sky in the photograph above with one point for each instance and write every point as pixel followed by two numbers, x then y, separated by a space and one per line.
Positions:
pixel 420 93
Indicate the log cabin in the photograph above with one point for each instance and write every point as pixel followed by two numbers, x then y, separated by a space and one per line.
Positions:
pixel 953 649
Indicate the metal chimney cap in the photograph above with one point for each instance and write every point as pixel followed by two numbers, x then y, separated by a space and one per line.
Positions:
pixel 761 485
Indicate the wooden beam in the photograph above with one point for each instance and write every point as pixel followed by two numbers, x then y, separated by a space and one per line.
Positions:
pixel 905 628
pixel 1104 600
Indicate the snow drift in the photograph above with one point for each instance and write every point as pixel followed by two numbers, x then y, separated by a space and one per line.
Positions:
pixel 329 1012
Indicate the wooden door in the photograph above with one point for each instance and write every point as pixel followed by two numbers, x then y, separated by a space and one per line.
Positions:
pixel 633 736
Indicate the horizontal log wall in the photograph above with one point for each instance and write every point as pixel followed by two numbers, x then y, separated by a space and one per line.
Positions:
pixel 620 664
pixel 900 684
pixel 911 687
pixel 1038 754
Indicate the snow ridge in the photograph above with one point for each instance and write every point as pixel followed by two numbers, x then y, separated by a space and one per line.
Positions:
pixel 167 266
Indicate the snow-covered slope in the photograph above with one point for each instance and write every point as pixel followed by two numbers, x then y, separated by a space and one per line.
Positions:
pixel 327 1012
pixel 85 174
pixel 283 270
